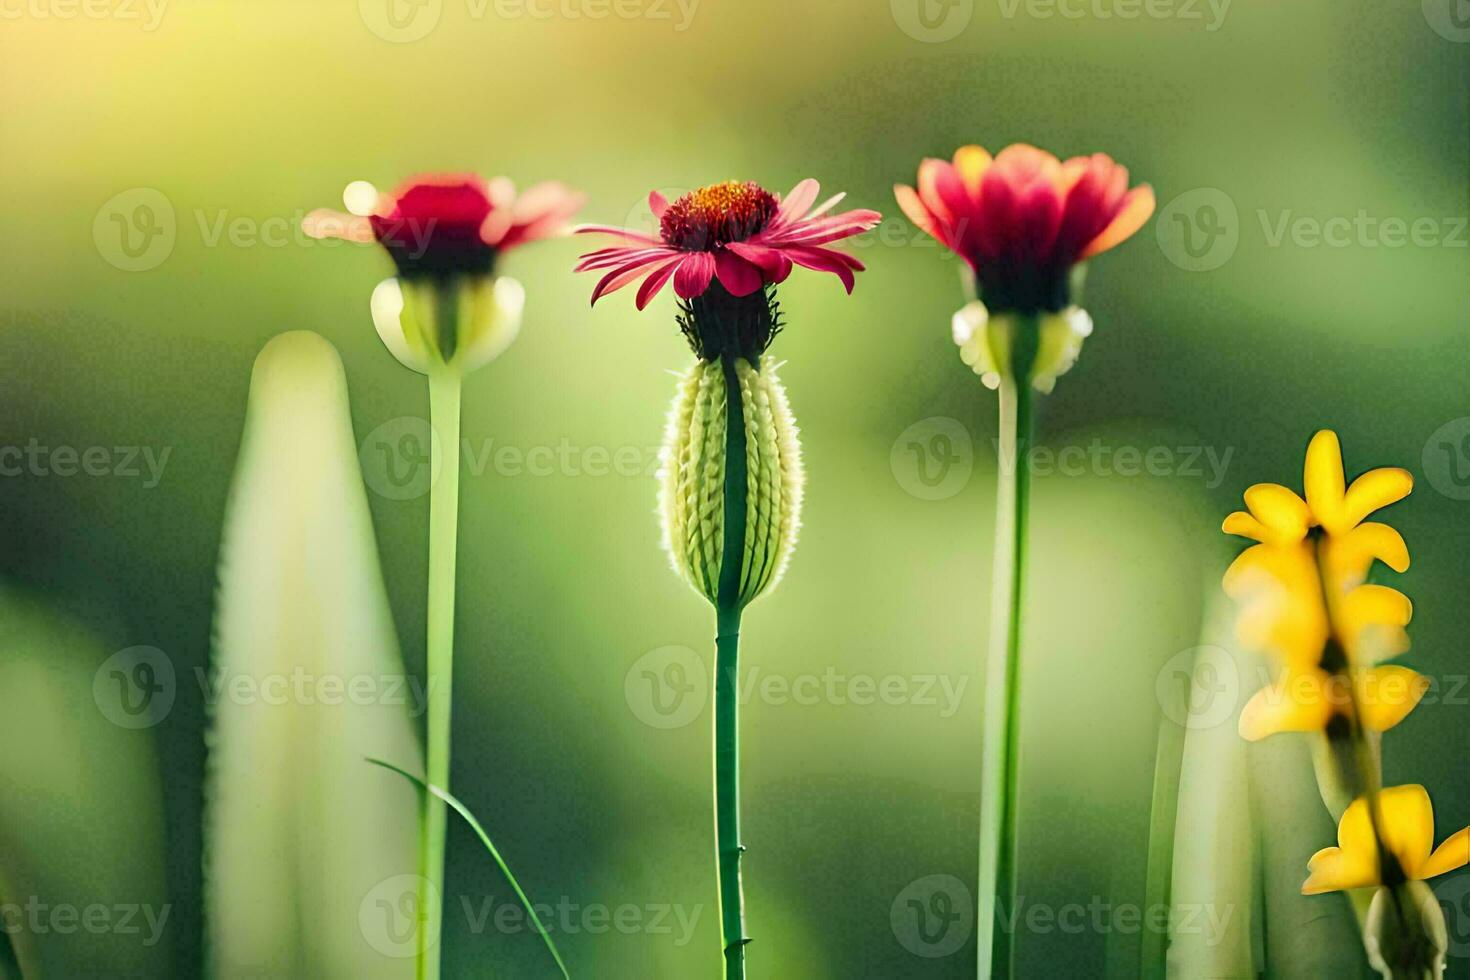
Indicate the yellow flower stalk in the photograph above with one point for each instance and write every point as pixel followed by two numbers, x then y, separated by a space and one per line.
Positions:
pixel 1305 600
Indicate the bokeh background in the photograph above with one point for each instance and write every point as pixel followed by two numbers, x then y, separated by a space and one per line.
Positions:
pixel 1307 268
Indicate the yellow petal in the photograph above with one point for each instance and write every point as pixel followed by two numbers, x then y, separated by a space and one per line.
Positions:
pixel 1299 702
pixel 971 162
pixel 1371 622
pixel 1386 695
pixel 1246 526
pixel 1453 853
pixel 1350 556
pixel 1334 869
pixel 1375 489
pixel 1323 481
pixel 1407 824
pixel 1280 511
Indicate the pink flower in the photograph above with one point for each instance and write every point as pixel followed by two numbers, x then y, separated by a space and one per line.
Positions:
pixel 737 233
pixel 443 224
pixel 1024 219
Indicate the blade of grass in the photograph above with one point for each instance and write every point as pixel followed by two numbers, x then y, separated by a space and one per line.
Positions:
pixel 296 831
pixel 469 818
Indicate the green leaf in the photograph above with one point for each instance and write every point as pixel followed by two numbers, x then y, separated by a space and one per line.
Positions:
pixel 469 818
pixel 1214 884
pixel 306 852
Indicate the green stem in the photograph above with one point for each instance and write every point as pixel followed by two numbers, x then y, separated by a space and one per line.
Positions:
pixel 1000 768
pixel 444 401
pixel 727 703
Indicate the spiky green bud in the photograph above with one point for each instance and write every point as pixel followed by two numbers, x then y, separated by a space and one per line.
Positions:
pixel 695 474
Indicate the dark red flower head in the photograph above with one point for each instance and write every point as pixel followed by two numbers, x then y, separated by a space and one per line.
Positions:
pixel 451 224
pixel 735 232
pixel 1023 219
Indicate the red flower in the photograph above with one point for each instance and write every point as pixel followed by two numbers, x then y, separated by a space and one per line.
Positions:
pixel 738 233
pixel 445 224
pixel 1024 219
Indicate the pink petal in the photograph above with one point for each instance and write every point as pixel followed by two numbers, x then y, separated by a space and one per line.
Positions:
pixel 655 282
pixel 657 203
pixel 828 260
pixel 627 234
pixel 694 274
pixel 737 275
pixel 609 257
pixel 774 266
pixel 620 277
pixel 795 204
pixel 326 223
pixel 826 205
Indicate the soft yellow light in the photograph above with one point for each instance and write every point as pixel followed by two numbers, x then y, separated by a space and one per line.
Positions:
pixel 360 198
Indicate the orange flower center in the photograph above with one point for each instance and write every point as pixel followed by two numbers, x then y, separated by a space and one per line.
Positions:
pixel 717 214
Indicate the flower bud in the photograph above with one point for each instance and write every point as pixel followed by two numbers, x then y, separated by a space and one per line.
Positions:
pixel 1405 933
pixel 988 343
pixel 693 474
pixel 461 322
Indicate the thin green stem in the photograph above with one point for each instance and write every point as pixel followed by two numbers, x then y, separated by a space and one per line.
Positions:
pixel 1001 763
pixel 444 402
pixel 727 703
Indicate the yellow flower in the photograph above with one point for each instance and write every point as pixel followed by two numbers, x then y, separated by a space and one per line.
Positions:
pixel 1303 584
pixel 1306 700
pixel 1407 823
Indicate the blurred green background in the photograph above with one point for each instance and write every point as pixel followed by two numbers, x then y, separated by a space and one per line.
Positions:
pixel 1225 331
